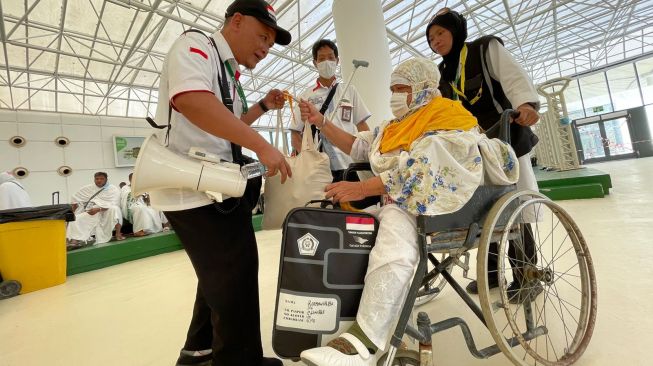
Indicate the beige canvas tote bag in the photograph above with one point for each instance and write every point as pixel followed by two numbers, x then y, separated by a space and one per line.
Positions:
pixel 311 173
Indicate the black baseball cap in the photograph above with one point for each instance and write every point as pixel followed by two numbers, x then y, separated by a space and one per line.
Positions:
pixel 265 14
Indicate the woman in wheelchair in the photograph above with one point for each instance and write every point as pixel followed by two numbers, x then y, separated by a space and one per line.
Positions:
pixel 429 160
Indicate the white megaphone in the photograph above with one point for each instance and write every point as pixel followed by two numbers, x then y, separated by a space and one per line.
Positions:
pixel 159 168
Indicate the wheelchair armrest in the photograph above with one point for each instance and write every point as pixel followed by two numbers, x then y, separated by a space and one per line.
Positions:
pixel 474 211
pixel 352 169
pixel 357 167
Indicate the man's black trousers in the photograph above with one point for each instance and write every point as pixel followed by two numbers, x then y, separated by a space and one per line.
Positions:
pixel 222 249
pixel 529 254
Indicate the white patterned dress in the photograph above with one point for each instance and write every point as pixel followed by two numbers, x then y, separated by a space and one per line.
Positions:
pixel 437 176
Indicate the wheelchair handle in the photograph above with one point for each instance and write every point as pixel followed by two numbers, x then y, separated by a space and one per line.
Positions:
pixel 501 129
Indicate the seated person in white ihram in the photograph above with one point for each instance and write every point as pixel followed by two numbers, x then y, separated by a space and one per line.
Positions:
pixel 12 193
pixel 97 213
pixel 136 210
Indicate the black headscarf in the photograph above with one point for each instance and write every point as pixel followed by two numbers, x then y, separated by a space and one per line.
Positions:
pixel 455 23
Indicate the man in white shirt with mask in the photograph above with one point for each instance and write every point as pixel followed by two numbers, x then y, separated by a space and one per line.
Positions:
pixel 351 112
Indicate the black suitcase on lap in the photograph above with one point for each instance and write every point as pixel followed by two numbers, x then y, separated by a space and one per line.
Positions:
pixel 324 256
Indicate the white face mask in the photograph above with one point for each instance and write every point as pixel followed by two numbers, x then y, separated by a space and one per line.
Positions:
pixel 327 69
pixel 399 104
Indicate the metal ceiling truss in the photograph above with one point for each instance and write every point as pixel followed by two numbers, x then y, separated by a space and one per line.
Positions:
pixel 46 60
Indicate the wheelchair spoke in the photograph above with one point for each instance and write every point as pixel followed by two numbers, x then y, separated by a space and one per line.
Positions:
pixel 564 324
pixel 560 247
pixel 553 285
pixel 560 277
pixel 562 315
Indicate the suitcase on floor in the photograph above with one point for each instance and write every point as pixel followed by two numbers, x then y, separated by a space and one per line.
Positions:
pixel 324 256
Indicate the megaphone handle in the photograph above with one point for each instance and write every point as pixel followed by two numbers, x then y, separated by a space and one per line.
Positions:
pixel 216 196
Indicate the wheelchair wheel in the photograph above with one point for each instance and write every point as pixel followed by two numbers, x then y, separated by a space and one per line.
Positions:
pixel 423 296
pixel 9 288
pixel 402 358
pixel 549 318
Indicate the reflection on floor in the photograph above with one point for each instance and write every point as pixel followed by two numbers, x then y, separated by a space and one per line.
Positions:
pixel 136 313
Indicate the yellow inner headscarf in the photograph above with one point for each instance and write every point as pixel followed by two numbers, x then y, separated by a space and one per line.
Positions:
pixel 439 114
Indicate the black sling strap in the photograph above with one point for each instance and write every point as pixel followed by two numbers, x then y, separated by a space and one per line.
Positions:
pixel 323 109
pixel 93 196
pixel 486 76
pixel 18 184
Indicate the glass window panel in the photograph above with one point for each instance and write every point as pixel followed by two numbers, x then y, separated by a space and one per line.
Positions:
pixel 649 117
pixel 617 136
pixel 152 110
pixel 595 94
pixel 43 12
pixel 70 85
pixel 70 103
pixel 5 97
pixel 591 141
pixel 137 109
pixel 117 107
pixel 645 73
pixel 44 62
pixel 572 99
pixel 42 101
pixel 623 87
pixel 95 104
pixel 20 96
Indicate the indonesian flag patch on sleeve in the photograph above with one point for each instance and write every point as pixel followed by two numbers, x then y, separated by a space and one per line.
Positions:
pixel 355 223
pixel 199 52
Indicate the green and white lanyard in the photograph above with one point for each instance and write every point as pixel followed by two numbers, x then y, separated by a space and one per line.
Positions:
pixel 238 86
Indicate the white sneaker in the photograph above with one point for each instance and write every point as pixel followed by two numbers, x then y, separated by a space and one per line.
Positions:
pixel 328 356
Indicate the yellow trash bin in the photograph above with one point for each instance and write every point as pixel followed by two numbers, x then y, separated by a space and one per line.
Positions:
pixel 33 246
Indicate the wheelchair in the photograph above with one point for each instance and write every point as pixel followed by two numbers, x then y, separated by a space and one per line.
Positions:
pixel 549 320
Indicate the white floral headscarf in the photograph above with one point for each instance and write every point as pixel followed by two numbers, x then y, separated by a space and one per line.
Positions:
pixel 422 75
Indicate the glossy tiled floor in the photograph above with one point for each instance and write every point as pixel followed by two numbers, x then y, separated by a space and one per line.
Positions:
pixel 136 313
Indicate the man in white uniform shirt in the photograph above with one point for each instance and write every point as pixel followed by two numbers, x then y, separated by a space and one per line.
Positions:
pixel 351 113
pixel 201 96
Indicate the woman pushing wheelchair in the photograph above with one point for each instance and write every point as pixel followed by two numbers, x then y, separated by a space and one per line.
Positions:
pixel 428 160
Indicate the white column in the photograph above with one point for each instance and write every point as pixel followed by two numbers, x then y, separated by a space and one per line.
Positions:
pixel 361 35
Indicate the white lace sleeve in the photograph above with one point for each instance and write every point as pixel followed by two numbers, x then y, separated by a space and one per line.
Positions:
pixel 360 150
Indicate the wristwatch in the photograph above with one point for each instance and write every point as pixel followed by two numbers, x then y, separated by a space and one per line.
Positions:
pixel 263 106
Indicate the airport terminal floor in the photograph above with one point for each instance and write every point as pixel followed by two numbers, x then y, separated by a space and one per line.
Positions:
pixel 136 313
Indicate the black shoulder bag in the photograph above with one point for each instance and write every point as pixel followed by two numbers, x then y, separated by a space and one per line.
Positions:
pixel 323 109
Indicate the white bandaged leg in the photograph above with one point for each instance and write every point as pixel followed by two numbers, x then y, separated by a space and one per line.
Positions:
pixel 389 273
